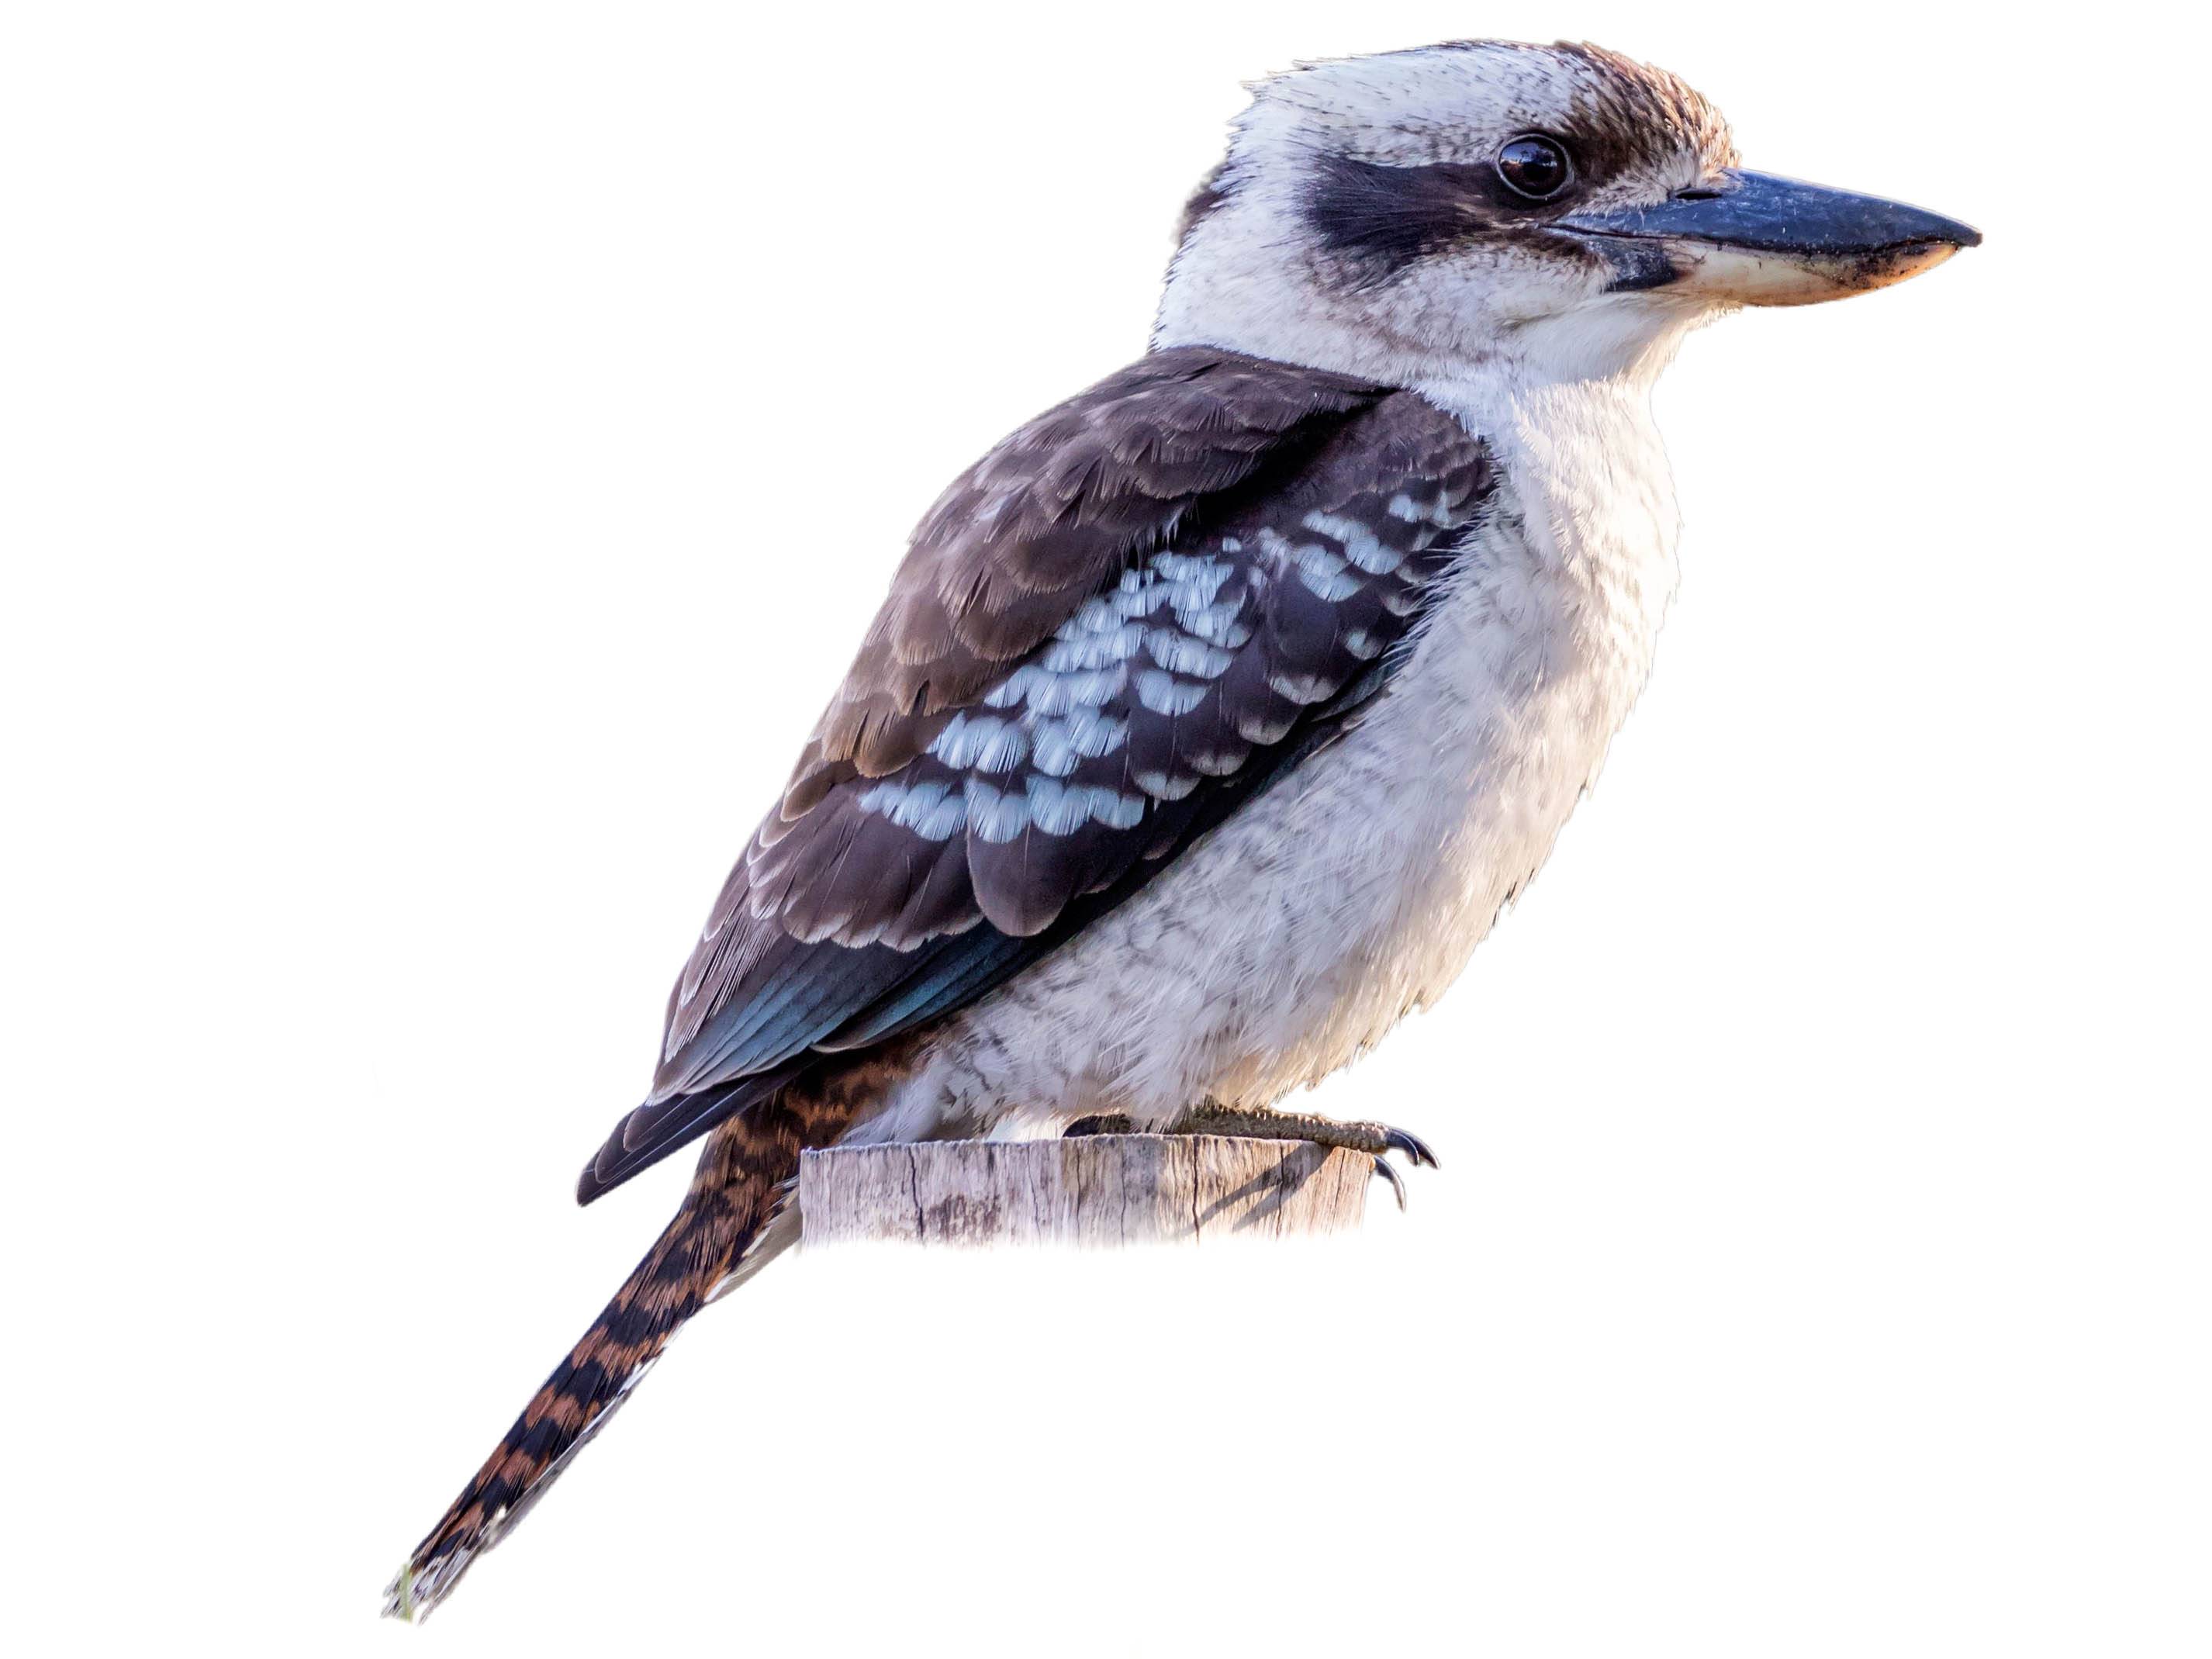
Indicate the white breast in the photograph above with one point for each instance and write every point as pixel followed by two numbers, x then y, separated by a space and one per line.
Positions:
pixel 1352 892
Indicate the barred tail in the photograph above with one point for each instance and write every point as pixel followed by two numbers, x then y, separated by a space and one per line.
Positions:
pixel 727 1228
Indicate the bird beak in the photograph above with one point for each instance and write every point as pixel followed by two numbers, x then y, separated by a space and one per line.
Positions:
pixel 1757 240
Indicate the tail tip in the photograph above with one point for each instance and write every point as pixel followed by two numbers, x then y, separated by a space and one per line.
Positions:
pixel 399 1602
pixel 414 1593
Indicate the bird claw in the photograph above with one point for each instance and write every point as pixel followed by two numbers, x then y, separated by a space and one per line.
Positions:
pixel 1412 1146
pixel 1417 1153
pixel 1388 1172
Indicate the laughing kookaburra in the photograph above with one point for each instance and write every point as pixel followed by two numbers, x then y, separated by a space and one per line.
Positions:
pixel 1213 715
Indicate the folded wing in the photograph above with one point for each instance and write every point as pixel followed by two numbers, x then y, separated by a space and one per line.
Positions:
pixel 1127 618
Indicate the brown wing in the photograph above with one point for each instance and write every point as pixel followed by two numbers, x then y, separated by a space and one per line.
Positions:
pixel 1113 627
pixel 1051 516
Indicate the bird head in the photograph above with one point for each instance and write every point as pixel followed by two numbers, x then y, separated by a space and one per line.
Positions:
pixel 1413 212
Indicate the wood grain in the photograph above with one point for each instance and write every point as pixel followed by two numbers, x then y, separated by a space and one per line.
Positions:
pixel 1090 1190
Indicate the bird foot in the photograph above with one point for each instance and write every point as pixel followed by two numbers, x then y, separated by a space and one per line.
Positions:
pixel 1377 1139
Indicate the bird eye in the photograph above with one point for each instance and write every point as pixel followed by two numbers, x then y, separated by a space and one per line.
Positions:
pixel 1535 167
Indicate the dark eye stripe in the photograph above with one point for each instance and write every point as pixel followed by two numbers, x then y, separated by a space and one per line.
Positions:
pixel 1382 218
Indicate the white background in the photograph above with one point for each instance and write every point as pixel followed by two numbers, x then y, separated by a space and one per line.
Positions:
pixel 451 451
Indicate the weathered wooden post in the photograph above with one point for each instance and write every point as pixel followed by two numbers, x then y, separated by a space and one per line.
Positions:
pixel 1097 1190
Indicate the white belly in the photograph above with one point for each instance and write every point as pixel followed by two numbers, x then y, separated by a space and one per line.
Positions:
pixel 1352 892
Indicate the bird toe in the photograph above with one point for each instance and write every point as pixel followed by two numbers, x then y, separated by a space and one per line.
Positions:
pixel 1412 1146
pixel 1388 1172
